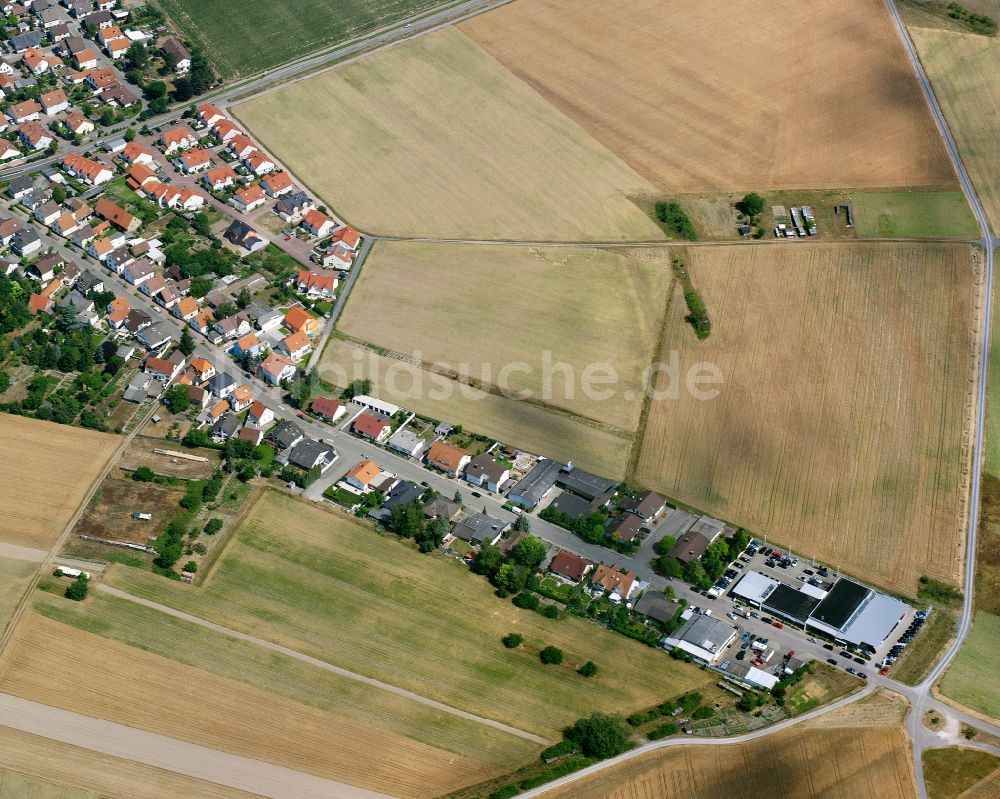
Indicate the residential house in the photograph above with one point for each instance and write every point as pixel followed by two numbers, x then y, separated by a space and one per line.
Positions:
pixel 89 282
pixel 186 309
pixel 220 177
pixel 277 184
pixel 291 207
pixel 25 242
pixel 35 135
pixel 24 111
pixel 54 102
pixel 309 454
pixel 139 176
pixel 118 217
pixel 226 428
pixel 362 474
pixel 656 606
pixel 260 163
pixel 47 212
pixel 154 337
pixel 242 235
pixel 295 345
pixel 199 397
pixel 136 153
pixel 318 224
pixel 138 272
pixel 175 51
pixel 85 59
pixel 202 369
pixel 337 256
pixel 25 41
pixel 328 409
pixel 372 426
pixel 233 327
pixel 441 508
pixel 120 257
pixel 259 414
pixel 406 442
pixel 8 227
pixel 82 307
pixel 8 150
pixel 162 369
pixel 217 411
pixel 178 138
pixel 647 505
pixel 225 130
pixel 78 124
pixel 209 113
pixel 222 385
pixel 65 224
pixel 448 458
pixel 194 161
pixel 480 528
pixel 241 146
pixel 153 286
pixel 89 171
pixel 570 566
pixel 276 367
pixel 241 398
pixel 44 269
pixel 248 345
pixel 286 434
pixel 625 528
pixel 252 435
pixel 618 584
pixel 137 320
pixel 316 285
pixel 248 198
pixel 35 61
pixel 118 310
pixel 299 321
pixel 487 473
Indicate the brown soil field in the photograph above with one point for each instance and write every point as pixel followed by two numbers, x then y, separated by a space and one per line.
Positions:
pixel 140 453
pixel 988 788
pixel 79 772
pixel 955 771
pixel 808 764
pixel 712 100
pixel 47 470
pixel 434 138
pixel 109 514
pixel 478 309
pixel 839 426
pixel 109 680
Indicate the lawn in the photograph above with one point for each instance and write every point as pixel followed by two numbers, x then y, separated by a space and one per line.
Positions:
pixel 972 678
pixel 331 725
pixel 324 584
pixel 841 420
pixel 962 68
pixel 914 214
pixel 498 316
pixel 243 39
pixel 950 771
pixel 435 138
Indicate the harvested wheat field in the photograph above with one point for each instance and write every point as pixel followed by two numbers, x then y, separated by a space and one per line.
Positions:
pixel 326 585
pixel 519 424
pixel 712 100
pixel 501 314
pixel 804 763
pixel 962 68
pixel 14 578
pixel 435 138
pixel 42 486
pixel 55 770
pixel 839 427
pixel 111 680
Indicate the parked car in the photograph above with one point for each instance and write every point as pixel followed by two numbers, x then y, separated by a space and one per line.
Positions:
pixel 831 661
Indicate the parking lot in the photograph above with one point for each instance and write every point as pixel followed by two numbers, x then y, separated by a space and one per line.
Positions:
pixel 757 625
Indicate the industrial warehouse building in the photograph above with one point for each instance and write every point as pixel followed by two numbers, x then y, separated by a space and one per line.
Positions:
pixel 703 637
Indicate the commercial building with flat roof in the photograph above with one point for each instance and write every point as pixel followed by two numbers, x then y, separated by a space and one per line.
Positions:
pixel 703 637
pixel 532 488
pixel 857 614
pixel 754 587
pixel 790 603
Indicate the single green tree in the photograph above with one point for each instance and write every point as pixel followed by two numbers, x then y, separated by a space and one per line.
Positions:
pixel 588 669
pixel 551 655
pixel 600 735
pixel 186 344
pixel 513 640
pixel 77 590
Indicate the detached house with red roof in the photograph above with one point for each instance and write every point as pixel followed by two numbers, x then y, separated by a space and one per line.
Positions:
pixel 296 346
pixel 209 114
pixel 54 102
pixel 448 458
pixel 162 369
pixel 276 184
pixel 372 426
pixel 8 150
pixel 318 224
pixel 275 368
pixel 78 124
pixel 22 112
pixel 619 584
pixel 85 59
pixel 298 320
pixel 194 161
pixel 248 198
pixel 241 398
pixel 259 415
pixel 241 146
pixel 179 138
pixel 316 284
pixel 225 130
pixel 35 135
pixel 118 217
pixel 135 153
pixel 260 163
pixel 248 345
pixel 220 177
pixel 328 409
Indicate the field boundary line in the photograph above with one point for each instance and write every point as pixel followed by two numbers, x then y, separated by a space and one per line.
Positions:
pixel 632 464
pixel 322 664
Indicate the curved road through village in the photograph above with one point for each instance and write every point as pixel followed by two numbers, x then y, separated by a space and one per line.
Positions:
pixel 270 780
